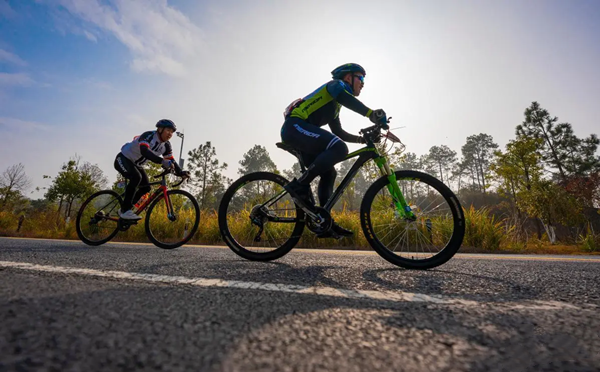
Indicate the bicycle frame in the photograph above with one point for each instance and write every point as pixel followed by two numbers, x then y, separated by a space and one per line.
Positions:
pixel 364 155
pixel 162 189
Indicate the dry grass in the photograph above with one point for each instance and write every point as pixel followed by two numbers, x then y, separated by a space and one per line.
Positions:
pixel 483 234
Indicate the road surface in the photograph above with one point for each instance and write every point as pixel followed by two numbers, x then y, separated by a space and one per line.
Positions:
pixel 65 306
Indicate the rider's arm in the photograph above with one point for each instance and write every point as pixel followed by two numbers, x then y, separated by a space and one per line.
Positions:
pixel 336 128
pixel 144 141
pixel 168 154
pixel 145 151
pixel 338 91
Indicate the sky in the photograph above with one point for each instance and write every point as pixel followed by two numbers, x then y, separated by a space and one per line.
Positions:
pixel 82 77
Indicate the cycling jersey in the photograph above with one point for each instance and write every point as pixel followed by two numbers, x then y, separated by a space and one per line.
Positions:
pixel 147 147
pixel 322 106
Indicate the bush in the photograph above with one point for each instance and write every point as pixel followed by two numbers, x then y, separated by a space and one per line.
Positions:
pixel 590 242
pixel 482 229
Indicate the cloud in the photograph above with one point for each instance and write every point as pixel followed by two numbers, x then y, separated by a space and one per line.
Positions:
pixel 12 123
pixel 18 79
pixel 159 37
pixel 5 10
pixel 11 58
pixel 90 36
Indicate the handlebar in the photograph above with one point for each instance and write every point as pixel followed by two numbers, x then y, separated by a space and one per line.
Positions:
pixel 376 128
pixel 168 171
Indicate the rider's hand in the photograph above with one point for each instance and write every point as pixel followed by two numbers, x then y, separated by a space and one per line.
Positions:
pixel 167 164
pixel 378 117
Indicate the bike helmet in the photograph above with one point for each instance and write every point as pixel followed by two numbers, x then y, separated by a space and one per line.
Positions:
pixel 342 70
pixel 166 123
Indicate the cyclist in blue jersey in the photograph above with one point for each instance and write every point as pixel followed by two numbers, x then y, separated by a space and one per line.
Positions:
pixel 154 146
pixel 319 148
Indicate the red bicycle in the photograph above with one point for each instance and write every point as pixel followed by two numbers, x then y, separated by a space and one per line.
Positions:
pixel 172 219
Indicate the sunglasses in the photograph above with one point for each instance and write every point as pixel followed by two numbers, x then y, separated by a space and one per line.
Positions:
pixel 361 78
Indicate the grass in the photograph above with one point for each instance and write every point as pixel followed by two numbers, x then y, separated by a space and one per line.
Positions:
pixel 484 233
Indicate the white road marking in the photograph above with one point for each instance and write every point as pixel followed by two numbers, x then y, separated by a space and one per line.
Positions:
pixel 393 296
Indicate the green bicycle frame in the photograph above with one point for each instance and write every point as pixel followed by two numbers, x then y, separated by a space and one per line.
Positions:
pixel 365 154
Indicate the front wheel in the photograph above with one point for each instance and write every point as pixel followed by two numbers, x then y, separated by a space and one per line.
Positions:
pixel 98 218
pixel 429 240
pixel 172 222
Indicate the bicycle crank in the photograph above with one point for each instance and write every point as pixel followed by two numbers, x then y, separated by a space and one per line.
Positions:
pixel 124 225
pixel 325 223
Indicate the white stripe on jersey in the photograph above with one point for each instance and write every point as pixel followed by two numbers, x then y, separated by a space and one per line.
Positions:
pixel 132 150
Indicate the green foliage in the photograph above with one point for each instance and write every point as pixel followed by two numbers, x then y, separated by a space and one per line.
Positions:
pixel 551 203
pixel 208 182
pixel 255 160
pixel 442 159
pixel 75 182
pixel 482 229
pixel 562 151
pixel 477 155
pixel 590 242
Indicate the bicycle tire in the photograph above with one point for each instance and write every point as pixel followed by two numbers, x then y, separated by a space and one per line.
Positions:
pixel 453 243
pixel 234 244
pixel 192 231
pixel 80 233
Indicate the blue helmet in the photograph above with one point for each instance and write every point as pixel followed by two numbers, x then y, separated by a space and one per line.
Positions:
pixel 166 123
pixel 342 70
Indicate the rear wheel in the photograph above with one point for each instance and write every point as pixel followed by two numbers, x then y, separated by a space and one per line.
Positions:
pixel 98 218
pixel 258 219
pixel 430 240
pixel 169 228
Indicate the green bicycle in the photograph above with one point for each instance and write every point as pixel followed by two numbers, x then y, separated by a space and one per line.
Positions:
pixel 410 218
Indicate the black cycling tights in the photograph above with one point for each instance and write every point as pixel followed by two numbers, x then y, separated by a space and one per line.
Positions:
pixel 323 165
pixel 135 176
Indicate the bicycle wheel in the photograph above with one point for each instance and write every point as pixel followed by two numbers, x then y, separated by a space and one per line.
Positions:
pixel 258 219
pixel 171 230
pixel 430 240
pixel 98 218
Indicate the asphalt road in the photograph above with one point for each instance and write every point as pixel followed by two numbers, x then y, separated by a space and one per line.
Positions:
pixel 65 306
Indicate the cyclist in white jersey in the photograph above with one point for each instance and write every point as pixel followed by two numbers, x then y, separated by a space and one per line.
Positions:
pixel 153 146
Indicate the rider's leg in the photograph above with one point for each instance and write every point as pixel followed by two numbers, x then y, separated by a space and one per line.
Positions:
pixel 326 184
pixel 133 176
pixel 141 191
pixel 325 191
pixel 334 153
pixel 324 147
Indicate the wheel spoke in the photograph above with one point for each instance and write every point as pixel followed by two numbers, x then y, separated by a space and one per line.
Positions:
pixel 410 242
pixel 172 230
pixel 256 201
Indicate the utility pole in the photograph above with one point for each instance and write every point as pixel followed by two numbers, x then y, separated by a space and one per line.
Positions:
pixel 180 135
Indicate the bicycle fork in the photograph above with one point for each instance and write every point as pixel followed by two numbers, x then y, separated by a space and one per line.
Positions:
pixel 398 198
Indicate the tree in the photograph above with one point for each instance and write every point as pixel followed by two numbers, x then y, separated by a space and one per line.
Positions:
pixel 208 180
pixel 517 170
pixel 13 183
pixel 553 205
pixel 408 160
pixel 442 158
pixel 75 182
pixel 563 151
pixel 477 155
pixel 257 159
pixel 352 196
pixel 295 171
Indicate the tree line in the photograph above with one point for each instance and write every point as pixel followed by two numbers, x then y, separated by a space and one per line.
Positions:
pixel 545 176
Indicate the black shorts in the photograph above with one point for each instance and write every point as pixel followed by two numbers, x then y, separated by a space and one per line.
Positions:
pixel 307 138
